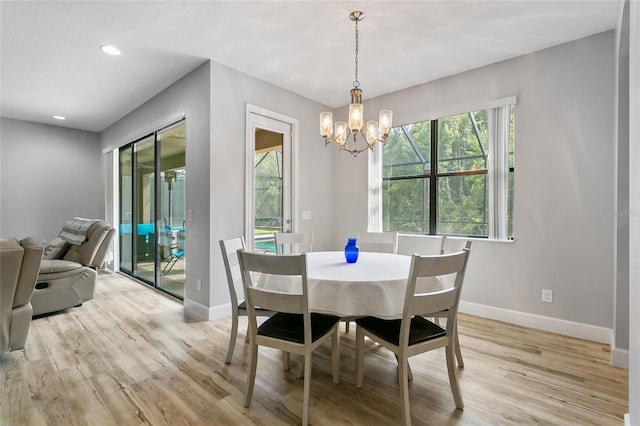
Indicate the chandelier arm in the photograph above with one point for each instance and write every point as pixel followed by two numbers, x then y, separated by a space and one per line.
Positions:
pixel 368 136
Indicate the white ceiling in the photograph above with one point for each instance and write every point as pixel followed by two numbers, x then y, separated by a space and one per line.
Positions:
pixel 51 62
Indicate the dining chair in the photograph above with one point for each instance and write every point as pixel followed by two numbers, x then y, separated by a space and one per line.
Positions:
pixel 413 334
pixel 229 250
pixel 420 244
pixel 452 245
pixel 380 242
pixel 293 242
pixel 292 329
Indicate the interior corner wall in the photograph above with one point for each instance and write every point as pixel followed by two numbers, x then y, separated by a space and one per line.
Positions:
pixel 48 174
pixel 620 344
pixel 189 95
pixel 563 208
pixel 313 164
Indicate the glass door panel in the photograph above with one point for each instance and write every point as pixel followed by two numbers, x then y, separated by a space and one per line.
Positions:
pixel 126 209
pixel 144 152
pixel 268 187
pixel 172 207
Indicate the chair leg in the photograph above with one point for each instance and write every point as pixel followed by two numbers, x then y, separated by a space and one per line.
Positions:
pixel 403 384
pixel 335 356
pixel 307 389
pixel 251 374
pixel 457 346
pixel 232 338
pixel 359 356
pixel 286 361
pixel 453 377
pixel 436 321
pixel 167 268
pixel 300 370
pixel 346 326
pixel 410 374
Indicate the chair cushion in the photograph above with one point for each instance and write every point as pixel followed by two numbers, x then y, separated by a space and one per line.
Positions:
pixel 421 329
pixel 57 265
pixel 290 327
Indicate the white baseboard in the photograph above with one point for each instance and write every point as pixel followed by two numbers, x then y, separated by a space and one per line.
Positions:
pixel 555 325
pixel 195 309
pixel 620 358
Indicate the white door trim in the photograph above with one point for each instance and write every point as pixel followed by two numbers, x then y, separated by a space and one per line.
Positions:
pixel 251 111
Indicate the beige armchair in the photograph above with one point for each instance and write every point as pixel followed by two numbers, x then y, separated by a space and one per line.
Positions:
pixel 19 265
pixel 69 278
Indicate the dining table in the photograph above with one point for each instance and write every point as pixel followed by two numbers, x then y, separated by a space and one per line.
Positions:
pixel 375 285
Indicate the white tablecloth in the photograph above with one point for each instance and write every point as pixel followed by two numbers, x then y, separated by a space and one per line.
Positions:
pixel 374 285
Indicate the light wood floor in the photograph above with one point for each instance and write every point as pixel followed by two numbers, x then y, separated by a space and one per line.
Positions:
pixel 130 357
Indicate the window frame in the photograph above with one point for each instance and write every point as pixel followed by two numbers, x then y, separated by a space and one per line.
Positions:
pixel 497 169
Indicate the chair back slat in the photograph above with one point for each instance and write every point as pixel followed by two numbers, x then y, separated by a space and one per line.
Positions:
pixel 420 244
pixel 435 265
pixel 276 300
pixel 427 303
pixel 293 242
pixel 254 264
pixel 454 245
pixel 379 242
pixel 263 263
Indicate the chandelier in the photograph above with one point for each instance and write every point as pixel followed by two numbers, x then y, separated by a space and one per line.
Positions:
pixel 346 133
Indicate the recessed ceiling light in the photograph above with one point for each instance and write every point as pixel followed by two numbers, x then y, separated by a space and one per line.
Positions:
pixel 109 49
pixel 59 117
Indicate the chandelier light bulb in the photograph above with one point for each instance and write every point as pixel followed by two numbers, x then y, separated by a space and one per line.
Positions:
pixel 386 117
pixel 326 124
pixel 372 129
pixel 355 117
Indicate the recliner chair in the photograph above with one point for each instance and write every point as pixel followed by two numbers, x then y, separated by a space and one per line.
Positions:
pixel 71 280
pixel 19 265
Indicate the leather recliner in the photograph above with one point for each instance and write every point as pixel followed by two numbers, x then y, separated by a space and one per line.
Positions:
pixel 71 280
pixel 19 266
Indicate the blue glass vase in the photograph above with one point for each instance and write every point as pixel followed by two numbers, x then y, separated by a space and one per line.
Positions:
pixel 351 250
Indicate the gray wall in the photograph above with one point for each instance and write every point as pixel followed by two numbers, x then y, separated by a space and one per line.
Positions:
pixel 214 98
pixel 621 306
pixel 230 92
pixel 48 174
pixel 564 176
pixel 189 95
pixel 632 10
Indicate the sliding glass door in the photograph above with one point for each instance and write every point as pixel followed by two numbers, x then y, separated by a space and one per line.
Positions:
pixel 152 209
pixel 172 209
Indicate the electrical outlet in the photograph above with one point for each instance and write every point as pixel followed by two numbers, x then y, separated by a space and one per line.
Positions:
pixel 199 284
pixel 547 295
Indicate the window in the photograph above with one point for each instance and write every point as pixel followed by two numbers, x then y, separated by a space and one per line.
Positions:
pixel 452 175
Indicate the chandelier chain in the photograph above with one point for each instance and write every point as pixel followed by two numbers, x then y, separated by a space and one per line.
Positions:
pixel 356 83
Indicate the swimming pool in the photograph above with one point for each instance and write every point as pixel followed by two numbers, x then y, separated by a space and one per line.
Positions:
pixel 266 244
